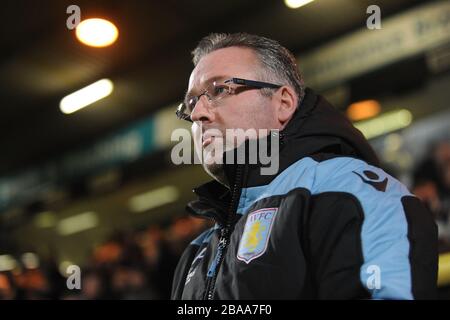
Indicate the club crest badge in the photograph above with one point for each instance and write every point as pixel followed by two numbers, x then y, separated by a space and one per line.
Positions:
pixel 256 234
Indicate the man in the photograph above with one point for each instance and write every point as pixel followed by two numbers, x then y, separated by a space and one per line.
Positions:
pixel 329 224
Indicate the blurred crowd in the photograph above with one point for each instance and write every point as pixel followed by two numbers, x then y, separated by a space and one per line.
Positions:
pixel 140 264
pixel 432 186
pixel 128 266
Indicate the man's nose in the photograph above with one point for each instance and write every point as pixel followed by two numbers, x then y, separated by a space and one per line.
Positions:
pixel 202 110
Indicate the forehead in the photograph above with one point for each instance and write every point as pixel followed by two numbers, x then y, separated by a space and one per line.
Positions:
pixel 227 62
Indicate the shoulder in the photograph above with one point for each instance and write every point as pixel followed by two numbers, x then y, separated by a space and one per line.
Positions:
pixel 354 176
pixel 346 179
pixel 339 174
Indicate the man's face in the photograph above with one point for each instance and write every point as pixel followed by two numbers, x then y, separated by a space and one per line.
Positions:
pixel 247 109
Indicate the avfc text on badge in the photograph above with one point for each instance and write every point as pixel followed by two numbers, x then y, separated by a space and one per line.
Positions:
pixel 218 311
pixel 256 234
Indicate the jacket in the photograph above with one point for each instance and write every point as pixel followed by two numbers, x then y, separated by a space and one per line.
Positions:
pixel 330 225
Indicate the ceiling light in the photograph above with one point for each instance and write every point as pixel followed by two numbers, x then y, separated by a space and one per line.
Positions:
pixel 77 223
pixel 86 96
pixel 153 198
pixel 363 110
pixel 96 32
pixel 295 4
pixel 385 123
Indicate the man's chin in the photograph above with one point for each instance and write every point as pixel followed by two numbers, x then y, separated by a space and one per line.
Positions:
pixel 215 170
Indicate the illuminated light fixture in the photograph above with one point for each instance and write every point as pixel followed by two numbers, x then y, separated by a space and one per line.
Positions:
pixel 444 270
pixel 295 4
pixel 96 32
pixel 385 123
pixel 77 223
pixel 153 198
pixel 86 96
pixel 46 219
pixel 363 110
pixel 7 263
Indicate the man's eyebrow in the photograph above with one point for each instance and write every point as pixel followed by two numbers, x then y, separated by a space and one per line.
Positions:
pixel 191 92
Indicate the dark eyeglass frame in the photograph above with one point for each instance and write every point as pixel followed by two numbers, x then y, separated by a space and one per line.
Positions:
pixel 249 83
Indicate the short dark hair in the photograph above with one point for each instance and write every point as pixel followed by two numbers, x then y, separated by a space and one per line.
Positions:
pixel 278 63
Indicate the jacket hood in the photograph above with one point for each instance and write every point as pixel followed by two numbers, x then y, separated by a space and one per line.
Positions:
pixel 317 130
pixel 318 127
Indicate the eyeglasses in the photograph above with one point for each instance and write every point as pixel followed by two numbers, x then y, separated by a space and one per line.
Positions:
pixel 216 91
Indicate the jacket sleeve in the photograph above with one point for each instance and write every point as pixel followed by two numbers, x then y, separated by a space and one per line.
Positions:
pixel 387 250
pixel 185 262
pixel 181 271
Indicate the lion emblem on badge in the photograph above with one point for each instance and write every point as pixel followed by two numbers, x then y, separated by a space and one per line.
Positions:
pixel 256 234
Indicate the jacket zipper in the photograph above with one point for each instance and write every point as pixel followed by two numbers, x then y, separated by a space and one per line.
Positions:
pixel 225 233
pixel 226 230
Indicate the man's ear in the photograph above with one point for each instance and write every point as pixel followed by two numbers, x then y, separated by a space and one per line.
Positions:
pixel 286 104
